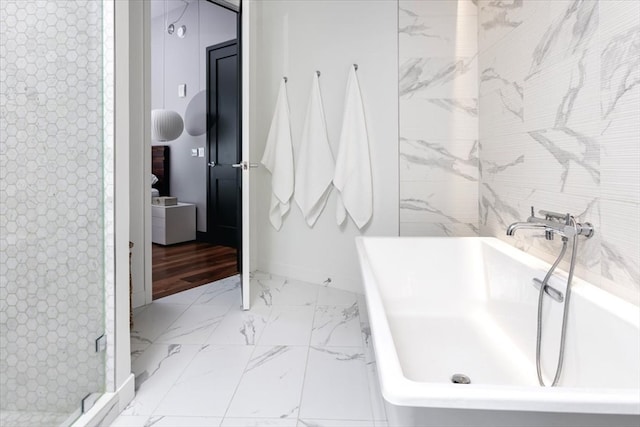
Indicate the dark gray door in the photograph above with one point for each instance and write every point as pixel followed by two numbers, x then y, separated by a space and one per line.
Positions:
pixel 223 142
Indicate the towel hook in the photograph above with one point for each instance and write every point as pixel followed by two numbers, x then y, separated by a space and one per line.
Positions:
pixel 355 66
pixel 285 79
pixel 318 73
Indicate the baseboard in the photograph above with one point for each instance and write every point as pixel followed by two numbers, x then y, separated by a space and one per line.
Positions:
pixel 109 406
pixel 202 236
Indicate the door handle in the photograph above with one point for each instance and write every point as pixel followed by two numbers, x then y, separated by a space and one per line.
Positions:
pixel 245 165
pixel 211 164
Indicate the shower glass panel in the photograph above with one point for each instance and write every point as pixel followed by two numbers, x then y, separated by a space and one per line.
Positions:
pixel 51 210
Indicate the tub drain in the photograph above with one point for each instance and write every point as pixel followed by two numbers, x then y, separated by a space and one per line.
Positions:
pixel 460 379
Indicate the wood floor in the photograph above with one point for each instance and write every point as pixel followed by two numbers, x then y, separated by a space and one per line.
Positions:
pixel 177 268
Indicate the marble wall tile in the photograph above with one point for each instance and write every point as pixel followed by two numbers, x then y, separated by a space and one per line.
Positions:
pixel 439 118
pixel 438 77
pixel 441 36
pixel 438 229
pixel 454 201
pixel 575 148
pixel 437 160
pixel 571 28
pixel 620 230
pixel 439 7
pixel 438 89
pixel 498 18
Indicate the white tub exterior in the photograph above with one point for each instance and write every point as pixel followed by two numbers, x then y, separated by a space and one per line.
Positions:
pixel 440 306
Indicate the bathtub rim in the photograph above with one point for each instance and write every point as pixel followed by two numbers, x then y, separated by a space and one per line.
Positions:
pixel 401 391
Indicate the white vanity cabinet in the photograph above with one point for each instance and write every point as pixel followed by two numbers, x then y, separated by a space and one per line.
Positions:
pixel 173 224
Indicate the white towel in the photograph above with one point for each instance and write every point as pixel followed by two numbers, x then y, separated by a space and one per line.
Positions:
pixel 353 164
pixel 315 165
pixel 278 159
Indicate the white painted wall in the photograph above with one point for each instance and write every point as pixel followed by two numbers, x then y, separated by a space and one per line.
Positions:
pixel 295 38
pixel 176 61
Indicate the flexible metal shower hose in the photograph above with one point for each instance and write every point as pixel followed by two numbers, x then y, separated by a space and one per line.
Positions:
pixel 565 313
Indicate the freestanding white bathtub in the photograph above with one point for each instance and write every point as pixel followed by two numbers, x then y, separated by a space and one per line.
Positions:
pixel 444 306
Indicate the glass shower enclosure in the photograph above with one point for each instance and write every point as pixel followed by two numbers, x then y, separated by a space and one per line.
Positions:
pixel 52 359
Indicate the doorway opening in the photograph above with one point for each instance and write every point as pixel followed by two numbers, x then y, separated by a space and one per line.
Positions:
pixel 195 223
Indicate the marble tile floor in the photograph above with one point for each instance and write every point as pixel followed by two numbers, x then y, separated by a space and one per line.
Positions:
pixel 302 356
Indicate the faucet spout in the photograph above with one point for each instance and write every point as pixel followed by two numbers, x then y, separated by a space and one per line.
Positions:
pixel 511 230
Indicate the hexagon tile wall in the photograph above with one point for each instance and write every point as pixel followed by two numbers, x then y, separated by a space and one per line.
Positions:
pixel 51 204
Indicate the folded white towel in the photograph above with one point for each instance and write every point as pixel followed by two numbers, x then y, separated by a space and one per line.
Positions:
pixel 278 159
pixel 353 165
pixel 315 165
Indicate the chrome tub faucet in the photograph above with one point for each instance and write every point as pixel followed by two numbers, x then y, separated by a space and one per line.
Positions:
pixel 564 225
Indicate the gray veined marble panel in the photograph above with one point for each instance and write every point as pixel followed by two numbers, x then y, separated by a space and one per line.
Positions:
pixel 225 292
pixel 336 326
pixel 435 229
pixel 427 77
pixel 439 118
pixel 207 385
pixel 268 290
pixel 288 325
pixel 241 327
pixel 565 95
pixel 498 18
pixel 441 36
pixel 194 326
pixel 620 228
pixel 564 161
pixel 336 385
pixel 572 30
pixel 454 201
pixel 283 368
pixel 502 119
pixel 496 212
pixel 156 370
pixel 436 160
pixel 620 62
pixel 439 7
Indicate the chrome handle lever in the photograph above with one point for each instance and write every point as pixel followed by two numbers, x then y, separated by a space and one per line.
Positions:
pixel 245 165
pixel 211 164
